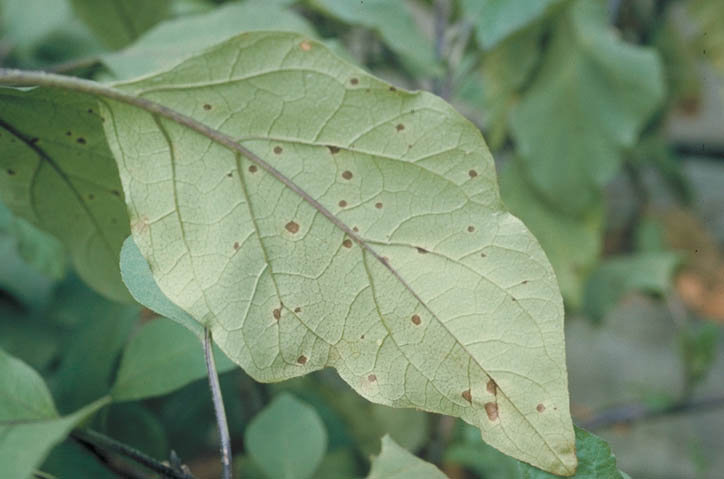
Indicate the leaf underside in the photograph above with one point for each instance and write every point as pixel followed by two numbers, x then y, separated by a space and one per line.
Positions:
pixel 392 258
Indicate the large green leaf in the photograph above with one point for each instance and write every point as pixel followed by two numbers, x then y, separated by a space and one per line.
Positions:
pixel 495 20
pixel 287 439
pixel 396 463
pixel 600 91
pixel 373 241
pixel 56 171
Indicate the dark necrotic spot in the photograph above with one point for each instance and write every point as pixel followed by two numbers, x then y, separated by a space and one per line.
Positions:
pixel 91 196
pixel 378 205
pixel 230 174
pixel 492 387
pixel 416 319
pixel 333 149
pixel 540 408
pixel 347 243
pixel 400 127
pixel 90 110
pixel 483 255
pixel 513 298
pixel 278 150
pixel 277 313
pixel 472 173
pixel 68 133
pixel 354 81
pixel 467 395
pixel 372 378
pixel 252 169
pixel 471 228
pixel 207 107
pixel 362 337
pixel 11 172
pixel 302 359
pixel 116 193
pixel 347 175
pixel 236 245
pixel 81 140
pixel 292 227
pixel 491 409
pixel 355 229
pixel 393 88
pixel 297 309
pixel 342 203
pixel 421 250
pixel 525 281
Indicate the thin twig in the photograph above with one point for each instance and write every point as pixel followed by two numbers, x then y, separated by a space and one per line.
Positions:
pixel 219 410
pixel 96 440
pixel 73 65
pixel 631 413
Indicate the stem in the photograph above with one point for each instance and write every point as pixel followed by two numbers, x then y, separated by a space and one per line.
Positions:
pixel 97 440
pixel 218 406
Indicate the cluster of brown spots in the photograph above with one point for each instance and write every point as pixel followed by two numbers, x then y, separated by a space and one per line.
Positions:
pixel 471 228
pixel 333 149
pixel 372 378
pixel 347 243
pixel 472 173
pixel 81 140
pixel 252 168
pixel 302 359
pixel 492 387
pixel 347 175
pixel 11 172
pixel 421 250
pixel 236 246
pixel 207 107
pixel 354 81
pixel 278 150
pixel 540 408
pixel 297 309
pixel 416 319
pixel 292 227
pixel 491 409
pixel 467 395
pixel 393 88
pixel 342 203
pixel 305 45
pixel 400 127
pixel 277 313
pixel 378 205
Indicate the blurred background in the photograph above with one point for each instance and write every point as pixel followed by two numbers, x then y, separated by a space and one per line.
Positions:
pixel 606 120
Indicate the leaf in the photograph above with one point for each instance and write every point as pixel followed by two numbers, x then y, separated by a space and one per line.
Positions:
pixel 650 272
pixel 160 358
pixel 287 439
pixel 375 242
pixel 177 39
pixel 573 244
pixel 396 463
pixel 118 22
pixel 708 17
pixel 29 423
pixel 595 460
pixel 393 22
pixel 57 173
pixel 495 20
pixel 600 91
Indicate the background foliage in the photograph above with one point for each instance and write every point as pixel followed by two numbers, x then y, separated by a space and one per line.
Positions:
pixel 605 118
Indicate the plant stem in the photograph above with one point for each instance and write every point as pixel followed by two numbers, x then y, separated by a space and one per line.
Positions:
pixel 218 406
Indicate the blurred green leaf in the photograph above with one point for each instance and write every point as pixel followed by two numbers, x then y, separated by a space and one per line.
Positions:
pixel 160 358
pixel 136 425
pixel 287 439
pixel 57 172
pixel 68 459
pixel 649 272
pixel 23 393
pixel 473 454
pixel 118 22
pixel 699 344
pixel 395 462
pixel 495 20
pixel 339 464
pixel 590 99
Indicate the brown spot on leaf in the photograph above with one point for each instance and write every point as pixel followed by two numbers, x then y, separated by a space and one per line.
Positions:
pixel 483 255
pixel 372 378
pixel 230 174
pixel 355 229
pixel 207 107
pixel 513 298
pixel 236 246
pixel 393 88
pixel 400 127
pixel 540 408
pixel 491 408
pixel 362 337
pixel 347 175
pixel 116 193
pixel 467 395
pixel 347 243
pixel 252 169
pixel 11 172
pixel 525 281
pixel 68 133
pixel 378 205
pixel 416 319
pixel 297 309
pixel 333 149
pixel 305 45
pixel 342 203
pixel 302 359
pixel 91 196
pixel 421 250
pixel 471 228
pixel 81 140
pixel 292 227
pixel 492 387
pixel 277 313
pixel 472 173
pixel 278 150
pixel 354 81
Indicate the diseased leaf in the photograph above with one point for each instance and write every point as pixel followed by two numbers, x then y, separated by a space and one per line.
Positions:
pixel 287 439
pixel 118 22
pixel 374 240
pixel 177 39
pixel 160 358
pixel 396 463
pixel 56 171
pixel 495 20
pixel 600 91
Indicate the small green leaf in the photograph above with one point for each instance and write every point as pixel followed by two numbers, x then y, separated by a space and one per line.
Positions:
pixel 287 439
pixel 600 91
pixel 160 358
pixel 23 393
pixel 395 462
pixel 56 171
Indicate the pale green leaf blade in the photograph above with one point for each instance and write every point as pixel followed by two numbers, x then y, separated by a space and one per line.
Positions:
pixel 600 91
pixel 395 462
pixel 495 20
pixel 177 39
pixel 56 171
pixel 287 439
pixel 23 393
pixel 160 358
pixel 378 245
pixel 138 278
pixel 118 22
pixel 595 460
